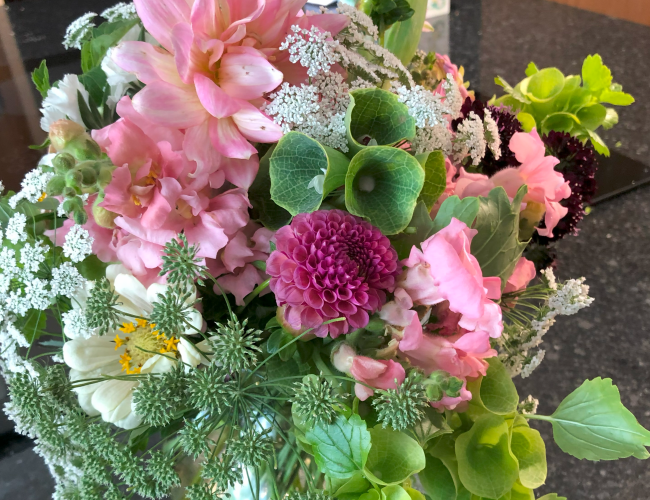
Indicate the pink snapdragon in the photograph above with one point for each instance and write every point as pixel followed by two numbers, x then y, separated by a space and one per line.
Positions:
pixel 444 66
pixel 546 186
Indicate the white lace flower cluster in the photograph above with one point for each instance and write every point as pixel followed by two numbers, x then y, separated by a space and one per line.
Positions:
pixel 313 49
pixel 32 187
pixel 517 340
pixel 78 31
pixel 317 110
pixel 122 11
pixel 78 244
pixel 474 136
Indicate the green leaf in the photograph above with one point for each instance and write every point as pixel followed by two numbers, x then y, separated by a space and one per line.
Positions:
pixel 598 143
pixel 431 426
pixel 592 117
pixel 527 121
pixel 496 391
pixel 496 246
pixel 437 480
pixel 394 492
pixel 95 83
pixel 486 466
pixel 552 496
pixel 617 98
pixel 464 210
pixel 393 457
pixel 544 85
pixel 355 485
pixel 295 166
pixel 92 268
pixel 376 114
pixel 32 326
pixel 595 75
pixel 611 119
pixel 418 230
pixel 402 38
pixel 103 37
pixel 387 12
pixel 521 492
pixel 383 185
pixel 529 448
pixel 269 213
pixel 531 69
pixel 435 177
pixel 341 448
pixel 592 423
pixel 559 122
pixel 41 79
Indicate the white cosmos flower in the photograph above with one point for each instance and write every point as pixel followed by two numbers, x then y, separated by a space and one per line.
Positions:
pixel 122 351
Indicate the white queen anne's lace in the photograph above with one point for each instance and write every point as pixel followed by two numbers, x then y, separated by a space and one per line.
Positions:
pixel 33 187
pixel 311 48
pixel 123 11
pixel 78 31
pixel 16 228
pixel 66 280
pixel 78 244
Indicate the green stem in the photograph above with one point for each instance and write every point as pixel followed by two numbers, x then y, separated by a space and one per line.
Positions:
pixel 538 417
pixel 249 298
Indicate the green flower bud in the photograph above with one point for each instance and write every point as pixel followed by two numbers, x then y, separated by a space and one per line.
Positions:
pixel 88 176
pixel 56 186
pixel 80 217
pixel 105 175
pixel 63 162
pixel 69 192
pixel 104 218
pixel 67 136
pixel 73 178
pixel 72 205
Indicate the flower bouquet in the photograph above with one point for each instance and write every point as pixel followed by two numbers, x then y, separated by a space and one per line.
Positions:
pixel 273 253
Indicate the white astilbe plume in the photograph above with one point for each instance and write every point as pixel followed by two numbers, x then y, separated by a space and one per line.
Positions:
pixel 311 48
pixel 78 31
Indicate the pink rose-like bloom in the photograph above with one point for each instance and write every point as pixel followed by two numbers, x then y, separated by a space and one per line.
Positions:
pixel 546 186
pixel 330 264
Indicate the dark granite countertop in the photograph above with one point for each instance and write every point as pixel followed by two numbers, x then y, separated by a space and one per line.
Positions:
pixel 488 37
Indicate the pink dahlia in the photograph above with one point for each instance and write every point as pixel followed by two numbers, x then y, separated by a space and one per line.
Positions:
pixel 330 264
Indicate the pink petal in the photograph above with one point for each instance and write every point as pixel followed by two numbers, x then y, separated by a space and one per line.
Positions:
pixel 492 287
pixel 205 17
pixel 246 76
pixel 117 194
pixel 256 126
pixel 157 134
pixel 208 234
pixel 242 12
pixel 164 201
pixel 170 106
pixel 523 274
pixel 240 284
pixel 198 148
pixel 227 139
pixel 149 63
pixel 160 16
pixel 412 334
pixel 241 173
pixel 218 103
pixel 237 252
pixel 325 22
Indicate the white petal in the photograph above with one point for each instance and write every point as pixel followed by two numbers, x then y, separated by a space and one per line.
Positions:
pixel 110 396
pixel 114 269
pixel 155 290
pixel 120 415
pixel 85 401
pixel 131 421
pixel 75 375
pixel 90 354
pixel 158 364
pixel 133 291
pixel 189 353
pixel 196 320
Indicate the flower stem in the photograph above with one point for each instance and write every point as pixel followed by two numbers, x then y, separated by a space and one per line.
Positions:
pixel 249 298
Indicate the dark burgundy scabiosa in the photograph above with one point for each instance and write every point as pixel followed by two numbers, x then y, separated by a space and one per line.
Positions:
pixel 578 165
pixel 330 264
pixel 507 124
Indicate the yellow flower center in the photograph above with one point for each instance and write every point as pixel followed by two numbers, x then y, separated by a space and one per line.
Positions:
pixel 42 197
pixel 142 342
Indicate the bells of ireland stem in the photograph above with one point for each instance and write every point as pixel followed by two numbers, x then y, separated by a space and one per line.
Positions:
pixel 70 137
pixel 403 37
pixel 529 219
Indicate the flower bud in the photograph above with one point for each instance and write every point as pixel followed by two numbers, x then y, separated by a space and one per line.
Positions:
pixel 80 217
pixel 73 179
pixel 70 137
pixel 63 162
pixel 104 218
pixel 342 357
pixel 88 176
pixel 72 205
pixel 56 186
pixel 69 192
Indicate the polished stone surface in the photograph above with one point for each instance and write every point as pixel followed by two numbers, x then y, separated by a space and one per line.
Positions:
pixel 488 37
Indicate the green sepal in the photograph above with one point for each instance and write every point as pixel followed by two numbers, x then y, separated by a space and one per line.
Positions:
pixel 383 185
pixel 377 115
pixel 295 163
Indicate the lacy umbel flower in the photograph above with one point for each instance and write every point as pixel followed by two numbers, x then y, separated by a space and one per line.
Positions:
pixel 330 264
pixel 135 347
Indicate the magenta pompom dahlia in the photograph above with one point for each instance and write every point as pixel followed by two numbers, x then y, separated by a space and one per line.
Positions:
pixel 330 264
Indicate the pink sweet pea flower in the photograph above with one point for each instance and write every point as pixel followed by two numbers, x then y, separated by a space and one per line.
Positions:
pixel 523 274
pixel 546 186
pixel 380 374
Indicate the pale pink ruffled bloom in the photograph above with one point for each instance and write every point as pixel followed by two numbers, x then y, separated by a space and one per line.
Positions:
pixel 546 186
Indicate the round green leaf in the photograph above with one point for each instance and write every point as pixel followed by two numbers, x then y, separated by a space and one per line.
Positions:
pixel 543 85
pixel 435 177
pixel 375 114
pixel 393 457
pixel 592 117
pixel 520 492
pixel 486 466
pixel 527 121
pixel 529 448
pixel 498 392
pixel 394 492
pixel 437 481
pixel 592 423
pixel 341 448
pixel 559 122
pixel 299 167
pixel 383 185
pixel 265 209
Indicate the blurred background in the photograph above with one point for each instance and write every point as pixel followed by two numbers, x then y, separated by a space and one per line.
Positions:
pixel 488 38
